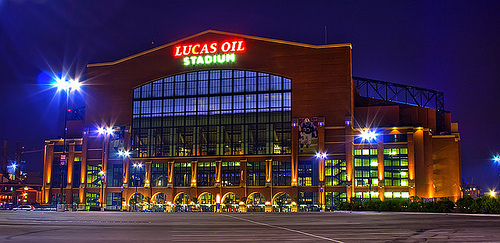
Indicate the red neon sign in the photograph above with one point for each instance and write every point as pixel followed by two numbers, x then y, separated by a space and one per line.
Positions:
pixel 209 48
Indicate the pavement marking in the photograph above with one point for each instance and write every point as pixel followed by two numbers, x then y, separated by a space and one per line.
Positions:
pixel 283 228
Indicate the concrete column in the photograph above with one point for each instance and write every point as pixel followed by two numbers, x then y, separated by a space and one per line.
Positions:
pixel 218 172
pixel 269 172
pixel 71 163
pixel 194 171
pixel 147 176
pixel 170 180
pixel 349 156
pixel 243 173
pixel 380 160
pixel 47 180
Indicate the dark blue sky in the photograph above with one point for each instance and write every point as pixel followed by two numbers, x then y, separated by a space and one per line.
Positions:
pixel 450 46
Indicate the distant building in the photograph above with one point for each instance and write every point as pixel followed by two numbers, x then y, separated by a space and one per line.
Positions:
pixel 230 119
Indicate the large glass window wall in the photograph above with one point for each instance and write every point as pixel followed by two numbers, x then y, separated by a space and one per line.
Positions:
pixel 182 174
pixel 159 174
pixel 115 175
pixel 230 173
pixel 396 166
pixel 308 172
pixel 93 177
pixel 335 172
pixel 216 112
pixel 206 174
pixel 282 173
pixel 256 173
pixel 365 167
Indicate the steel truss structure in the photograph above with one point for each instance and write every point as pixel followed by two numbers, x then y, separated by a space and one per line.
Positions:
pixel 400 93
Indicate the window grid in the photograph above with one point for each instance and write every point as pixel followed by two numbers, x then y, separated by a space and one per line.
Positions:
pixel 365 167
pixel 396 167
pixel 247 112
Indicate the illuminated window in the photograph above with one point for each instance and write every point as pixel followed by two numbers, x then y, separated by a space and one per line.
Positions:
pixel 335 172
pixel 396 166
pixel 365 167
pixel 308 173
pixel 334 199
pixel 93 177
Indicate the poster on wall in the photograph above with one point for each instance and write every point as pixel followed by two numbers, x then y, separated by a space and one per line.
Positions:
pixel 116 142
pixel 308 135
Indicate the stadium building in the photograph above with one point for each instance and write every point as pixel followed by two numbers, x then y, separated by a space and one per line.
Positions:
pixel 235 122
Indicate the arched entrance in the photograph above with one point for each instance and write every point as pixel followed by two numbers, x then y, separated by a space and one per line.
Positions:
pixel 182 201
pixel 230 202
pixel 256 202
pixel 282 202
pixel 206 202
pixel 158 202
pixel 136 202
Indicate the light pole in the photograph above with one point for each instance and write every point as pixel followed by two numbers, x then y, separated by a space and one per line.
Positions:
pixel 123 154
pixel 106 132
pixel 137 166
pixel 67 86
pixel 496 160
pixel 103 179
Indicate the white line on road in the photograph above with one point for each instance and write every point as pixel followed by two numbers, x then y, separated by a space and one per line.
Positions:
pixel 283 228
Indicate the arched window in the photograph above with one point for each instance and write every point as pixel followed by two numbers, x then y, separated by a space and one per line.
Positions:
pixel 216 112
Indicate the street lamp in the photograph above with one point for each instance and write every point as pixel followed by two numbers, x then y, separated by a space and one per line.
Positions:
pixel 62 84
pixel 103 179
pixel 123 154
pixel 106 132
pixel 137 166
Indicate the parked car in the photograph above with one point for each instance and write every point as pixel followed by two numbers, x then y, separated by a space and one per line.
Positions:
pixel 24 208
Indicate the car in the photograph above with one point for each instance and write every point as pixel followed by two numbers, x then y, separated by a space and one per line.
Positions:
pixel 24 208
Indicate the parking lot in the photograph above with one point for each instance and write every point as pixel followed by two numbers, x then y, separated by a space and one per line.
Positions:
pixel 246 227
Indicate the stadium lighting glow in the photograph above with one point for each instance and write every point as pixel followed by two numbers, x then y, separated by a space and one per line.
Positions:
pixel 109 130
pixel 124 153
pixel 100 130
pixel 368 135
pixel 67 85
pixel 321 155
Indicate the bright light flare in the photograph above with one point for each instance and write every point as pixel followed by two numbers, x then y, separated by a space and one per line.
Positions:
pixel 109 131
pixel 493 193
pixel 321 155
pixel 368 135
pixel 496 158
pixel 67 85
pixel 101 130
pixel 124 153
pixel 137 165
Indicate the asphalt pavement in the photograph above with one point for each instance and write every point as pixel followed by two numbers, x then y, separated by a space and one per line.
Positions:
pixel 39 226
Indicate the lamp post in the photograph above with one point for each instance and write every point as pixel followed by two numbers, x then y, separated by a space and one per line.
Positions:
pixel 496 160
pixel 67 86
pixel 106 132
pixel 103 179
pixel 123 154
pixel 137 166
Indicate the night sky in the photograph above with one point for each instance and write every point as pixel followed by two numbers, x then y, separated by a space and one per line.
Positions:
pixel 449 46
